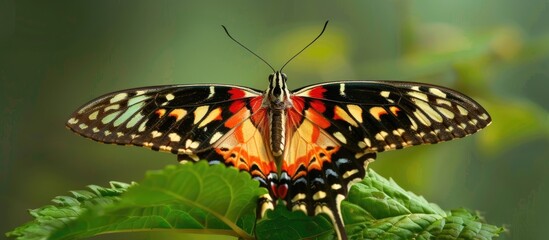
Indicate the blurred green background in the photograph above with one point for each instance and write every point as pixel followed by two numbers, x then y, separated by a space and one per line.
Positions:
pixel 57 55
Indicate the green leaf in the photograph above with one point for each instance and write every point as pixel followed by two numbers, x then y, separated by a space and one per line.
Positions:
pixel 50 218
pixel 377 208
pixel 192 197
pixel 199 198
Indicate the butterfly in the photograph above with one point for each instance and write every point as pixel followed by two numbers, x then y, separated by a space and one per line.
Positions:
pixel 306 146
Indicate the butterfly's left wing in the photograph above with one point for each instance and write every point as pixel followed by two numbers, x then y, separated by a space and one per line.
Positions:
pixel 191 121
pixel 336 128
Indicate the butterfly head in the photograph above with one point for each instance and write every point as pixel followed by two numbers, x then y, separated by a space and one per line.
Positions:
pixel 278 91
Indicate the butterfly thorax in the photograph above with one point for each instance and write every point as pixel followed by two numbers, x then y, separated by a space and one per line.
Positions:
pixel 276 101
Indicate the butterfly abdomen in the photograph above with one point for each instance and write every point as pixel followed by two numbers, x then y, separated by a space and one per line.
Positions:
pixel 278 129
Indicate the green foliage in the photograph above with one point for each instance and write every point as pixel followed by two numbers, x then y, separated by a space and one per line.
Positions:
pixel 199 198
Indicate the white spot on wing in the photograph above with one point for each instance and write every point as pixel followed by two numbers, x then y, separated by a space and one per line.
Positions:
pixel 73 121
pixel 118 97
pixel 381 136
pixel 299 196
pixel 414 124
pixel 419 95
pixel 428 110
pixel 215 137
pixel 212 92
pixel 340 137
pixel 385 94
pixel 462 110
pixel 437 92
pixel 398 132
pixel 319 195
pixel 342 89
pixel 112 107
pixel 156 134
pixel 356 112
pixel 349 173
pixel 447 113
pixel 165 148
pixel 142 126
pixel 93 116
pixel 422 118
pixel 441 101
pixel 174 137
pixel 199 113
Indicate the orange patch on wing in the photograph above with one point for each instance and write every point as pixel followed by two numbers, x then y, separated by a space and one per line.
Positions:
pixel 305 160
pixel 245 131
pixel 340 113
pixel 243 160
pixel 160 112
pixel 212 116
pixel 377 112
pixel 394 110
pixel 317 118
pixel 307 146
pixel 178 114
pixel 237 118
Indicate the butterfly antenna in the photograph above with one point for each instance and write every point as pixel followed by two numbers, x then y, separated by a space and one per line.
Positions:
pixel 231 37
pixel 314 40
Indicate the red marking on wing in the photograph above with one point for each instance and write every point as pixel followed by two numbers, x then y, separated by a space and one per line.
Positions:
pixel 298 103
pixel 237 93
pixel 317 92
pixel 318 106
pixel 279 191
pixel 258 112
pixel 255 103
pixel 236 106
pixel 295 114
